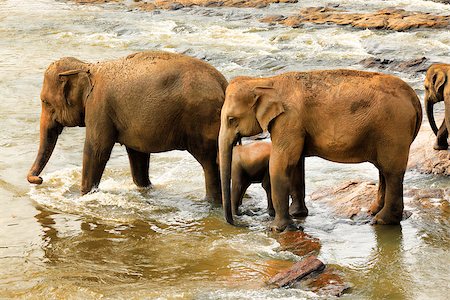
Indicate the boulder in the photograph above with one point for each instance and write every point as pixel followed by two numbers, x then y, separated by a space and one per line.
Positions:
pixel 424 158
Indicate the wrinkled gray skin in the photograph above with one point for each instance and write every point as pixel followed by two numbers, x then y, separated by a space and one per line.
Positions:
pixel 437 89
pixel 149 101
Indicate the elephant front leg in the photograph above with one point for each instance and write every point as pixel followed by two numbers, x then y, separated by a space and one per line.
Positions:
pixel 267 187
pixel 139 163
pixel 298 207
pixel 282 163
pixel 95 156
pixel 211 171
pixel 442 135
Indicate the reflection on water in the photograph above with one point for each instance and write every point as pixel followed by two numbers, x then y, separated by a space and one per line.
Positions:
pixel 122 242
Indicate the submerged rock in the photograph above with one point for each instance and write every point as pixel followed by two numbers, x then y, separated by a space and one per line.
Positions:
pixel 389 18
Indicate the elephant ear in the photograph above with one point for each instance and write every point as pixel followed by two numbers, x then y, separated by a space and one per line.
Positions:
pixel 438 80
pixel 267 105
pixel 75 85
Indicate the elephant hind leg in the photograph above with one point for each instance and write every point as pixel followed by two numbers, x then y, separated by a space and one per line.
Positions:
pixel 208 160
pixel 392 168
pixel 139 163
pixel 378 204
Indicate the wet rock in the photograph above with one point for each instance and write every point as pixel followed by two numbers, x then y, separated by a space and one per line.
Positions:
pixel 299 243
pixel 328 283
pixel 296 272
pixel 350 200
pixel 171 4
pixel 417 65
pixel 424 158
pixel 390 18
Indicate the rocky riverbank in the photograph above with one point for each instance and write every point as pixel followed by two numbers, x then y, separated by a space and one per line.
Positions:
pixel 390 19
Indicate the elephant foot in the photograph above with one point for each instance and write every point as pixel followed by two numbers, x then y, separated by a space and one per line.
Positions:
pixel 375 208
pixel 298 212
pixel 440 146
pixel 217 201
pixel 387 218
pixel 271 212
pixel 236 212
pixel 281 224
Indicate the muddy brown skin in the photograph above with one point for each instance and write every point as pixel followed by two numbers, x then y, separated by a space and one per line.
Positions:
pixel 149 102
pixel 250 164
pixel 437 89
pixel 340 115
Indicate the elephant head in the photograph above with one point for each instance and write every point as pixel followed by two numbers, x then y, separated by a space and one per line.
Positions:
pixel 64 91
pixel 249 108
pixel 437 89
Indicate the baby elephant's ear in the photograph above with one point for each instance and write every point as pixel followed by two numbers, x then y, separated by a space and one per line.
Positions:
pixel 268 105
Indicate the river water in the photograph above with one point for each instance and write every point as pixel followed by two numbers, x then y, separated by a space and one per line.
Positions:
pixel 167 242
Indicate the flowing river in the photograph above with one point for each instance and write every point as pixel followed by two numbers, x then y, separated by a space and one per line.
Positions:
pixel 122 242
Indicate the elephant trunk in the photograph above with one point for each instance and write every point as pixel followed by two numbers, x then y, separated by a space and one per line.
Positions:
pixel 429 107
pixel 49 132
pixel 225 157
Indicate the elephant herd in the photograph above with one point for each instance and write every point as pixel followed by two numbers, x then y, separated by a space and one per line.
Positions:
pixel 157 101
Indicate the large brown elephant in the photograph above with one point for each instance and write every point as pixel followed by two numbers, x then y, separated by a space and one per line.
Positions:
pixel 341 115
pixel 437 89
pixel 149 101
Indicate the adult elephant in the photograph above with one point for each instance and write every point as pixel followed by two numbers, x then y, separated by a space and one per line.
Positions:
pixel 149 101
pixel 437 89
pixel 340 115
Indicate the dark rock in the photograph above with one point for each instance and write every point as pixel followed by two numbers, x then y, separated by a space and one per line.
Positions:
pixel 417 65
pixel 298 271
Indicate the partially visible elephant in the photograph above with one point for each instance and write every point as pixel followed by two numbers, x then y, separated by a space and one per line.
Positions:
pixel 250 164
pixel 437 89
pixel 148 101
pixel 344 116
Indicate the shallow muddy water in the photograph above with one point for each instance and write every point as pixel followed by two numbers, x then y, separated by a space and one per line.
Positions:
pixel 122 242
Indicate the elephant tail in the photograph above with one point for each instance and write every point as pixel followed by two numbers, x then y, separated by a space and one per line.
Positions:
pixel 419 116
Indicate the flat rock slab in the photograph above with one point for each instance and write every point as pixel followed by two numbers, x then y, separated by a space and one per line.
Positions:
pixel 298 271
pixel 390 18
pixel 349 200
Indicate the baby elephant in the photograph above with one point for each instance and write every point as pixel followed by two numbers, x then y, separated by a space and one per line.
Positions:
pixel 251 165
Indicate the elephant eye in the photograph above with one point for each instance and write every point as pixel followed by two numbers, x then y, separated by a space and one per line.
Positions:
pixel 231 120
pixel 45 102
